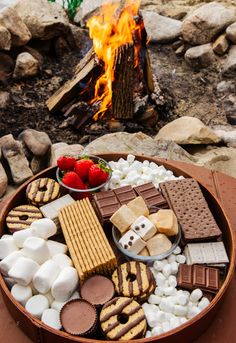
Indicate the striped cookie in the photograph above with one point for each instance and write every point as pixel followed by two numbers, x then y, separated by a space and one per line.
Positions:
pixel 132 279
pixel 21 217
pixel 42 191
pixel 123 318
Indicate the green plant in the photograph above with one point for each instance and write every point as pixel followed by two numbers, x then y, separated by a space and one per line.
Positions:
pixel 71 6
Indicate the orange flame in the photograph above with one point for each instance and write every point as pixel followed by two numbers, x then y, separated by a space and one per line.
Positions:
pixel 110 30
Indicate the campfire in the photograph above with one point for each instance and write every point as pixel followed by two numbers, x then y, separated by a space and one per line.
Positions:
pixel 114 80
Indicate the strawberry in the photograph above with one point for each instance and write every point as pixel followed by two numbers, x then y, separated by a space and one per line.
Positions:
pixel 66 163
pixel 71 179
pixel 82 195
pixel 82 167
pixel 98 174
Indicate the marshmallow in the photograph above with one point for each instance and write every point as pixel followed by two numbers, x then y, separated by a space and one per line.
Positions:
pixel 166 222
pixel 7 263
pixel 6 236
pixel 157 331
pixel 182 298
pixel 154 299
pixel 159 244
pixel 180 310
pixel 159 265
pixel 151 317
pixel 37 305
pixel 159 291
pixel 56 247
pixel 34 290
pixel 174 267
pixel 160 279
pixel 144 228
pixel 51 318
pixel 169 290
pixel 172 281
pixel 44 228
pixel 174 322
pixel 166 305
pixel 65 284
pixel 45 276
pixel 23 270
pixel 7 246
pixel 196 295
pixel 57 305
pixel 166 270
pixel 181 259
pixel 138 207
pixel 132 242
pixel 148 334
pixel 177 251
pixel 193 311
pixel 75 295
pixel 21 293
pixel 204 302
pixel 123 218
pixel 183 320
pixel 130 158
pixel 19 237
pixel 37 249
pixel 62 260
pixel 166 326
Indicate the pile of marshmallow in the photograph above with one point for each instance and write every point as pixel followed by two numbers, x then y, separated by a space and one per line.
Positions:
pixel 37 270
pixel 135 173
pixel 168 307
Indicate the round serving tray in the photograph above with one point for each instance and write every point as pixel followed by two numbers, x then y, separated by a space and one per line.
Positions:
pixel 41 333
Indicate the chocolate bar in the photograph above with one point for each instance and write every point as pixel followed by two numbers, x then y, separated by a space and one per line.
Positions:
pixel 106 203
pixel 198 276
pixel 191 209
pixel 206 253
pixel 151 195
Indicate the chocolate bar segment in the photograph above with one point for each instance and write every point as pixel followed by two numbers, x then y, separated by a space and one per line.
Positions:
pixel 125 194
pixel 192 211
pixel 151 195
pixel 198 276
pixel 105 203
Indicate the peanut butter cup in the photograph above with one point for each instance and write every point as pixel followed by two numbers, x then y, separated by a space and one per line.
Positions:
pixel 97 290
pixel 79 317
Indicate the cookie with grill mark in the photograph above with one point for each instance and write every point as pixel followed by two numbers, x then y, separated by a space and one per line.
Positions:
pixel 132 279
pixel 42 191
pixel 123 318
pixel 21 217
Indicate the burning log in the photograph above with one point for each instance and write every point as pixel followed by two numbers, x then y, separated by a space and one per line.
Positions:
pixel 123 85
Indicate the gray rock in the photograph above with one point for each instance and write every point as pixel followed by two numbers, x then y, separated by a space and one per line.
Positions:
pixel 37 142
pixel 137 143
pixel 161 29
pixel 229 68
pixel 69 150
pixel 226 87
pixel 5 99
pixel 5 38
pixel 26 66
pixel 38 164
pixel 54 147
pixel 3 181
pixel 18 164
pixel 87 9
pixel 231 32
pixel 79 37
pixel 10 19
pixel 201 26
pixel 44 19
pixel 221 45
pixel 6 63
pixel 201 56
pixel 188 130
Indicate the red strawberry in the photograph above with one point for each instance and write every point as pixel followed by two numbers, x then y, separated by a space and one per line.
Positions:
pixel 66 163
pixel 98 174
pixel 82 195
pixel 82 167
pixel 71 179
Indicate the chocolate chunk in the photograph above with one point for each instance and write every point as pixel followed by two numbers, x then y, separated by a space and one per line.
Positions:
pixel 151 195
pixel 198 276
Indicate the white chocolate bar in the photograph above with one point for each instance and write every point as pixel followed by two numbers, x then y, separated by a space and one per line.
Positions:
pixel 206 253
pixel 144 228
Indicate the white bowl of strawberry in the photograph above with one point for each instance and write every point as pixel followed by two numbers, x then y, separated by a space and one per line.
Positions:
pixel 82 176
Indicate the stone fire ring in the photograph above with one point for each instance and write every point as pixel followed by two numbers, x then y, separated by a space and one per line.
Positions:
pixel 186 333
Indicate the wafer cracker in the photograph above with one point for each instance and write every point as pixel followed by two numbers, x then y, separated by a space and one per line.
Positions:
pixel 86 240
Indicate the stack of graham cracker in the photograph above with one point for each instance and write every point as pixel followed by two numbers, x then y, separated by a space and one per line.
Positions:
pixel 87 243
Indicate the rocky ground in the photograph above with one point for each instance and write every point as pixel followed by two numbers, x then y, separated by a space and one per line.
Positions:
pixel 193 57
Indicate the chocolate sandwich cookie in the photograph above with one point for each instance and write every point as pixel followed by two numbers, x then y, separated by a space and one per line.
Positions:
pixel 97 290
pixel 122 318
pixel 21 217
pixel 132 279
pixel 42 191
pixel 78 317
